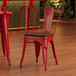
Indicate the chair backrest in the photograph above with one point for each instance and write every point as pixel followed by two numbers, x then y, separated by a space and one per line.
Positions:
pixel 48 18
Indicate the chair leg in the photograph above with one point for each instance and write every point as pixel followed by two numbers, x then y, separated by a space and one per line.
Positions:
pixel 3 42
pixel 7 50
pixel 27 11
pixel 54 53
pixel 37 49
pixel 6 39
pixel 45 54
pixel 24 46
pixel 8 23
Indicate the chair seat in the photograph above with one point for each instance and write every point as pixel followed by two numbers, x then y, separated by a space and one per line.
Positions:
pixel 38 34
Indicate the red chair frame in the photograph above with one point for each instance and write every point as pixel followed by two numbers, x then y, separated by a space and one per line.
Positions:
pixel 30 6
pixel 41 40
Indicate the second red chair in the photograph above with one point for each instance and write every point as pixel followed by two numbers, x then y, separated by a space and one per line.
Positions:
pixel 30 6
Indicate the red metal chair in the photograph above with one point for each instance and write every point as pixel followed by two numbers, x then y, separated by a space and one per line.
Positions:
pixel 41 38
pixel 30 6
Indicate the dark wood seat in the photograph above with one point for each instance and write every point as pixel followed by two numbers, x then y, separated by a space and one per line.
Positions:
pixel 38 34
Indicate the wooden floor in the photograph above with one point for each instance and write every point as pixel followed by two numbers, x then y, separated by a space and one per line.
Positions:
pixel 65 44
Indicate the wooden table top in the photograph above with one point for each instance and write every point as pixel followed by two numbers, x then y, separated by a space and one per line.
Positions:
pixel 5 13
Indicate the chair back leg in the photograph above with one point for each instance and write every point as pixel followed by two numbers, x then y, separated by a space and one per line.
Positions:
pixel 37 49
pixel 53 49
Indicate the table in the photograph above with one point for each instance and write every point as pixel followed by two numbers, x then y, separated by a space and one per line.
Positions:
pixel 4 33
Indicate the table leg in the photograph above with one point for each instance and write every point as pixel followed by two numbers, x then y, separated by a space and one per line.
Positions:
pixel 2 36
pixel 5 28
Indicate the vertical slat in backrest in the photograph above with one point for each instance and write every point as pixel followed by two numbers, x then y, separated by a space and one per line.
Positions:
pixel 48 17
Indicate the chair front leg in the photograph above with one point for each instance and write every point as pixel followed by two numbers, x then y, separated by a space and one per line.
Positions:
pixel 45 53
pixel 23 53
pixel 37 50
pixel 54 53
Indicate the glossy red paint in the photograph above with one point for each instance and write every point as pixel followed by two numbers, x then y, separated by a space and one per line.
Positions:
pixel 4 29
pixel 39 40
